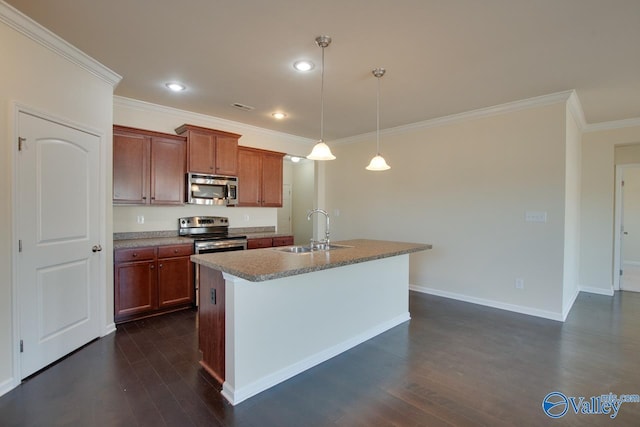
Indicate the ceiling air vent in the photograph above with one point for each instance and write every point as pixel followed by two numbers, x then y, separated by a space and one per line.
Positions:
pixel 243 107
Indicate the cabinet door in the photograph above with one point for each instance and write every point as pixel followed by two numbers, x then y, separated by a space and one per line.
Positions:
pixel 201 152
pixel 261 242
pixel 135 289
pixel 211 316
pixel 271 180
pixel 130 168
pixel 226 156
pixel 167 171
pixel 249 178
pixel 175 281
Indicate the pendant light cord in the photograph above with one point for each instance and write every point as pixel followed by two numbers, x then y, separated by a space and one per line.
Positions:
pixel 378 119
pixel 322 99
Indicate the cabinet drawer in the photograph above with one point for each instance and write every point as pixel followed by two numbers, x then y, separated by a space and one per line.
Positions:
pixel 265 242
pixel 135 254
pixel 283 241
pixel 175 251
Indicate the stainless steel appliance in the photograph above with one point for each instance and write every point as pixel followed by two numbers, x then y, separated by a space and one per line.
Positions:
pixel 205 189
pixel 210 234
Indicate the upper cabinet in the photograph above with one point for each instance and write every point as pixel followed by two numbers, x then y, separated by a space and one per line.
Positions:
pixel 259 177
pixel 148 167
pixel 210 151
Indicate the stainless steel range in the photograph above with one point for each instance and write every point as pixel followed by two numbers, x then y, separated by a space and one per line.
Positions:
pixel 210 234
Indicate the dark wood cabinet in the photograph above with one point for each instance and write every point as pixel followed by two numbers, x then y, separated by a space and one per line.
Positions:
pixel 210 151
pixel 148 167
pixel 152 280
pixel 211 330
pixel 175 276
pixel 268 242
pixel 259 177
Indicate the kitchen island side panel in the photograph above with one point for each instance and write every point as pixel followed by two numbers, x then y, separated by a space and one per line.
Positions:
pixel 278 328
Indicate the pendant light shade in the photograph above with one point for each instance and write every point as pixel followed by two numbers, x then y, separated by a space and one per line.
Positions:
pixel 321 151
pixel 378 163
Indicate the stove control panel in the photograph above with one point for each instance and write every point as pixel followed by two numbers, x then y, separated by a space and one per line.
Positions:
pixel 203 221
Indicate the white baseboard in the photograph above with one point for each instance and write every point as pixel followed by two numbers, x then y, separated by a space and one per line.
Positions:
pixel 567 306
pixel 7 385
pixel 490 303
pixel 600 291
pixel 108 329
pixel 235 396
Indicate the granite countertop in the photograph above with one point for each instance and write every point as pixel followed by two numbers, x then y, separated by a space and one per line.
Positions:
pixel 259 235
pixel 266 264
pixel 150 241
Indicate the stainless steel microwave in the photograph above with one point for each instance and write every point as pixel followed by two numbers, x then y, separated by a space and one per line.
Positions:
pixel 205 189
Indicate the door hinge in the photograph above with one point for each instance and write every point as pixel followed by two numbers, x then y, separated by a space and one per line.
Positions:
pixel 621 272
pixel 21 141
pixel 19 245
pixel 623 183
pixel 21 346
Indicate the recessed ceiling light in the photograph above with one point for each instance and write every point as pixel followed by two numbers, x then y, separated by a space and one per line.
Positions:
pixel 176 87
pixel 295 159
pixel 303 65
pixel 279 115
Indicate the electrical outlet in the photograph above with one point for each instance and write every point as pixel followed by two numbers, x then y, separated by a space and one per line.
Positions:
pixel 519 283
pixel 535 216
pixel 140 219
pixel 246 217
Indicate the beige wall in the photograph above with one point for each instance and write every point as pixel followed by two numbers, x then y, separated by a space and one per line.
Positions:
pixel 39 79
pixel 571 281
pixel 465 188
pixel 303 200
pixel 143 115
pixel 597 205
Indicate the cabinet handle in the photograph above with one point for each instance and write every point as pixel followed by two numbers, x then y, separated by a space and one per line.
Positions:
pixel 175 251
pixel 134 255
pixel 144 197
pixel 160 266
pixel 152 266
pixel 153 198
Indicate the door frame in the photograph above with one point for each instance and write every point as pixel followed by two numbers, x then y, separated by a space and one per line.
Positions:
pixel 101 287
pixel 617 227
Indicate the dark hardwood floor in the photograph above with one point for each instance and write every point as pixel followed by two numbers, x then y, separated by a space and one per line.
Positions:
pixel 453 364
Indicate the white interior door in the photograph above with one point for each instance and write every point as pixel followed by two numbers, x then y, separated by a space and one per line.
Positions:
pixel 630 238
pixel 284 213
pixel 58 226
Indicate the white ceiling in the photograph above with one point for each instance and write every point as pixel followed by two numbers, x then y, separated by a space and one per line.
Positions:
pixel 442 57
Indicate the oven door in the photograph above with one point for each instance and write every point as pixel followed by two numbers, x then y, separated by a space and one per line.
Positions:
pixel 209 247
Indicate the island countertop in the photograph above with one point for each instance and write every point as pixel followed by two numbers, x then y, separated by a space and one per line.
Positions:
pixel 270 263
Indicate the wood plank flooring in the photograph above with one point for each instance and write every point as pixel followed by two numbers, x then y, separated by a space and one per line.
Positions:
pixel 453 364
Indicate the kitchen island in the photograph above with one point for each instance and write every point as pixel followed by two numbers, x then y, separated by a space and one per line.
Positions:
pixel 266 315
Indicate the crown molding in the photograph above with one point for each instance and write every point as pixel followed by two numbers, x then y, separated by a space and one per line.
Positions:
pixel 214 122
pixel 575 109
pixel 538 101
pixel 612 125
pixel 36 32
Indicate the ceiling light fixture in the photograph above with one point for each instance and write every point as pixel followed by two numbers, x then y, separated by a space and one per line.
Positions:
pixel 295 159
pixel 321 151
pixel 378 163
pixel 303 65
pixel 176 87
pixel 279 115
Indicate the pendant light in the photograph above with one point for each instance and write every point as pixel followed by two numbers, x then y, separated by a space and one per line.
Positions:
pixel 378 163
pixel 321 151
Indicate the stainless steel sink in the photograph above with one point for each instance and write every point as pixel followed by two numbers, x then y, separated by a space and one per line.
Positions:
pixel 307 249
pixel 295 249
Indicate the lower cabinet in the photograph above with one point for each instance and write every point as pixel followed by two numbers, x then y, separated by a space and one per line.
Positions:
pixel 152 280
pixel 268 242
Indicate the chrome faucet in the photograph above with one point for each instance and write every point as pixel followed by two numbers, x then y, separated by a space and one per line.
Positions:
pixel 323 244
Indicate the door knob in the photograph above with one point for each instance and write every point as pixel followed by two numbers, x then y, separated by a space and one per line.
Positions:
pixel 96 248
